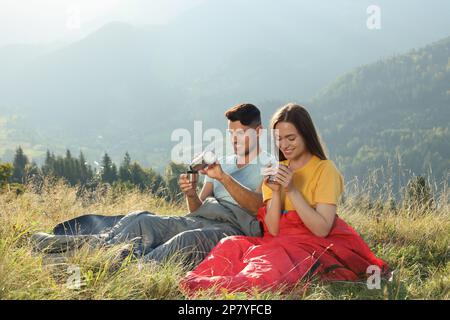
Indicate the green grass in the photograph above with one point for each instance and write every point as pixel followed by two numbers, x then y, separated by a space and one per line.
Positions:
pixel 413 239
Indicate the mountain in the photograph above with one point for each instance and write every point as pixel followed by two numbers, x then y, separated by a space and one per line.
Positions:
pixel 394 112
pixel 127 88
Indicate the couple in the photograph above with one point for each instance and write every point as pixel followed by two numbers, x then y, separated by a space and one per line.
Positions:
pixel 244 231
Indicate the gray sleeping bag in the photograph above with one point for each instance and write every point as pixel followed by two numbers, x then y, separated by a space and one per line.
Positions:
pixel 159 237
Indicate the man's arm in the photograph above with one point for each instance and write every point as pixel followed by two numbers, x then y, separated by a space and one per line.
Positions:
pixel 193 201
pixel 245 197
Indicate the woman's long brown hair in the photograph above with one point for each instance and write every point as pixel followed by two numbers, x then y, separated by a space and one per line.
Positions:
pixel 300 118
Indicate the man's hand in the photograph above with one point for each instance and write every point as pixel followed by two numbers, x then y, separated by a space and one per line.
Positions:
pixel 214 171
pixel 188 188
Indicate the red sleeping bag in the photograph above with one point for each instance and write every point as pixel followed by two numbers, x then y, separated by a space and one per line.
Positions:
pixel 241 263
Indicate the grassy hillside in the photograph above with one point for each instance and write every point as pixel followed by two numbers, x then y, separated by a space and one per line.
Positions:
pixel 413 239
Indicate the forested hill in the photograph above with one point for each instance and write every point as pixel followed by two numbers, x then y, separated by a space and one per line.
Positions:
pixel 396 110
pixel 126 87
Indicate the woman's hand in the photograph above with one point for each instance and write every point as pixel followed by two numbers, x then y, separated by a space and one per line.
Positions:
pixel 284 177
pixel 275 187
pixel 271 172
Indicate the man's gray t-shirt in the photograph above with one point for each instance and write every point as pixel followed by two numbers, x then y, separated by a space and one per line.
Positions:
pixel 249 175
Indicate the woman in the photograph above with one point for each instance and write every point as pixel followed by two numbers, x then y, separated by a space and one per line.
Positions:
pixel 303 236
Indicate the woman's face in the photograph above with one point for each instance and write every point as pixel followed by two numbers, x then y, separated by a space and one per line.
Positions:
pixel 288 140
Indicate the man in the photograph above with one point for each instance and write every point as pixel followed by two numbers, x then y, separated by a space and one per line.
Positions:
pixel 227 205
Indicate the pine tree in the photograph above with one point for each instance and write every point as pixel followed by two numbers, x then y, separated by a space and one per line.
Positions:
pixel 137 175
pixel 69 168
pixel 19 164
pixel 48 167
pixel 85 173
pixel 109 170
pixel 156 182
pixel 114 176
pixel 125 168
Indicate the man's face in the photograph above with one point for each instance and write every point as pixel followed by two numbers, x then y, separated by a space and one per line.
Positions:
pixel 243 138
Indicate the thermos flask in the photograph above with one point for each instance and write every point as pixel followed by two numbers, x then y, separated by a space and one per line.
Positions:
pixel 200 162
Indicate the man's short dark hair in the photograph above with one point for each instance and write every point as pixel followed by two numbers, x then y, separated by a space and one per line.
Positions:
pixel 246 113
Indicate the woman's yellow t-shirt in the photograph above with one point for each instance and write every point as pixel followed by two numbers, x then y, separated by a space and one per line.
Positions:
pixel 319 181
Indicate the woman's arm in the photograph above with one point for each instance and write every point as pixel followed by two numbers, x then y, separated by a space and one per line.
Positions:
pixel 273 208
pixel 320 220
pixel 272 218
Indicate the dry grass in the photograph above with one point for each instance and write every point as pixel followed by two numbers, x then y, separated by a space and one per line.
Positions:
pixel 414 240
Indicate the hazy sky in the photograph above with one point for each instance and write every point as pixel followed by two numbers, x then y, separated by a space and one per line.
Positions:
pixel 43 21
